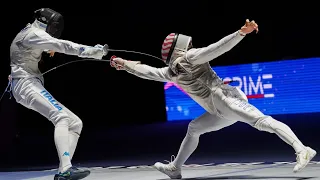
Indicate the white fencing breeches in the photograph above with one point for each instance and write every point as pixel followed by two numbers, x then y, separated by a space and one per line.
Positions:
pixel 232 106
pixel 30 93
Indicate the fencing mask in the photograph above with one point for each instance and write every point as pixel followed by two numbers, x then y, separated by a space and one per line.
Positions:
pixel 174 42
pixel 52 19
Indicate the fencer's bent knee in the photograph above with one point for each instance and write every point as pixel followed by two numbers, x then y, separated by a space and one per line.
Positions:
pixel 265 124
pixel 196 128
pixel 207 123
pixel 76 126
pixel 62 123
pixel 73 122
pixel 192 130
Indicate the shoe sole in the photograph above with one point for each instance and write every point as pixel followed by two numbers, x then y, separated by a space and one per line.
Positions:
pixel 80 175
pixel 178 177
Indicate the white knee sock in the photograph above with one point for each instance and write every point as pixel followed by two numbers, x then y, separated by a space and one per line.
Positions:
pixel 188 146
pixel 287 135
pixel 73 141
pixel 61 138
pixel 282 130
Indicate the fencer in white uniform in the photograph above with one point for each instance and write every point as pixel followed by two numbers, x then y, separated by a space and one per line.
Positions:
pixel 27 82
pixel 190 69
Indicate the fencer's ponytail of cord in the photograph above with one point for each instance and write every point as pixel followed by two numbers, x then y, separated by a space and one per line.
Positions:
pixel 103 60
pixel 81 60
pixel 8 89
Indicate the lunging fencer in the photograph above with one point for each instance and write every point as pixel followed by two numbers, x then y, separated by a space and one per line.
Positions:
pixel 28 83
pixel 189 68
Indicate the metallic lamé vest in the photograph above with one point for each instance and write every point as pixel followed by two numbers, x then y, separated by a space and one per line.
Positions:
pixel 198 80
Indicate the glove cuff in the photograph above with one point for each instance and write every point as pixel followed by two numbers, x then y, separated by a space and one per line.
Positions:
pixel 130 65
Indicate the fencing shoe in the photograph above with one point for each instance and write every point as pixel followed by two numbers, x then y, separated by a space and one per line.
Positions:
pixel 169 169
pixel 303 158
pixel 72 173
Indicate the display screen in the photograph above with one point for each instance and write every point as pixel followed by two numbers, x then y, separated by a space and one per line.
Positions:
pixel 281 87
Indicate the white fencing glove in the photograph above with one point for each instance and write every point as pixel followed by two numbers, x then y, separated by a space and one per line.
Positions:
pixel 96 52
pixel 105 48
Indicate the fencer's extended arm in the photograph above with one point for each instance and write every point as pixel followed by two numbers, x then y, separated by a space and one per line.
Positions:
pixel 42 40
pixel 206 54
pixel 147 72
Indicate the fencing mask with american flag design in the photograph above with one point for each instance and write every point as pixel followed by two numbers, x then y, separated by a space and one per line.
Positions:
pixel 174 42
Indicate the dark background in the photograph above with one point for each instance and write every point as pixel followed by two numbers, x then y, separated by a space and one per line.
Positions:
pixel 124 116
